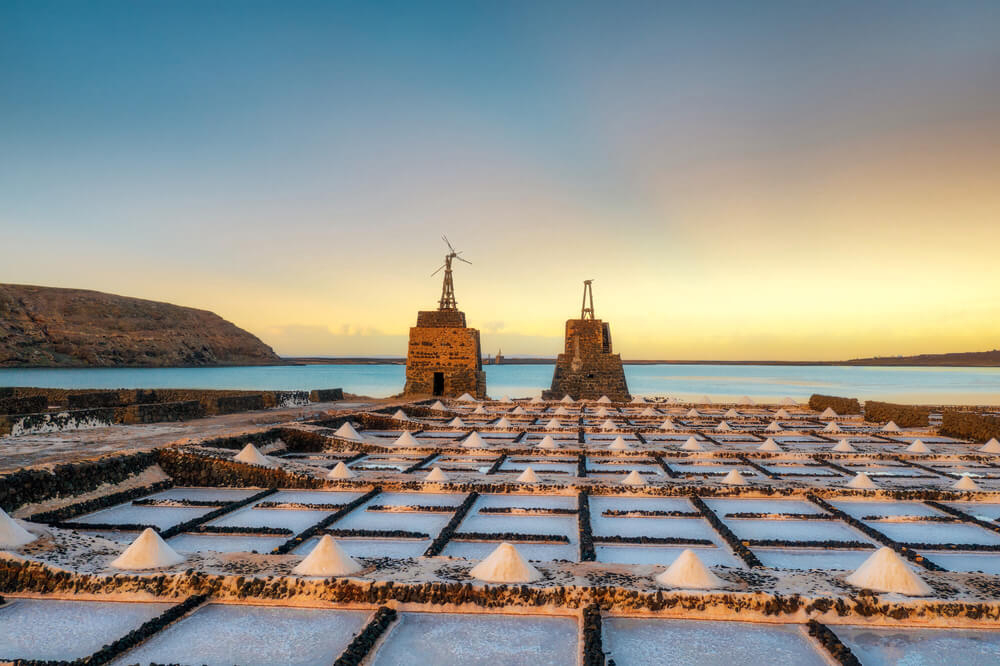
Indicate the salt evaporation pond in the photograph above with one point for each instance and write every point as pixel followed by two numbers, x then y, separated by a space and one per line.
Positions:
pixel 643 642
pixel 811 558
pixel 397 548
pixel 224 543
pixel 512 640
pixel 665 555
pixel 161 517
pixel 921 647
pixel 222 635
pixel 65 630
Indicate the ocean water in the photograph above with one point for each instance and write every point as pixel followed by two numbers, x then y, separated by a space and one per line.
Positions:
pixel 719 382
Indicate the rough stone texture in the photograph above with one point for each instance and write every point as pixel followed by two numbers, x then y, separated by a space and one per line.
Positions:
pixel 587 369
pixel 441 342
pixel 49 327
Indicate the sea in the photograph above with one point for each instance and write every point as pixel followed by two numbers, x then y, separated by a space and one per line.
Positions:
pixel 720 383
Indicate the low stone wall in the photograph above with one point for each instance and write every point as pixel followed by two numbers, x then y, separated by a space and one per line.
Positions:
pixel 838 404
pixel 907 416
pixel 76 419
pixel 969 425
pixel 326 395
pixel 159 412
pixel 23 404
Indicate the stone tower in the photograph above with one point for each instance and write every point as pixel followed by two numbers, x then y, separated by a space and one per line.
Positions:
pixel 444 357
pixel 587 369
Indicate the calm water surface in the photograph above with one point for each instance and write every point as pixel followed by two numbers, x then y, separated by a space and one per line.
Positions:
pixel 944 385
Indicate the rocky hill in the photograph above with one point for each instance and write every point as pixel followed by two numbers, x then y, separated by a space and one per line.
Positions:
pixel 49 327
pixel 986 359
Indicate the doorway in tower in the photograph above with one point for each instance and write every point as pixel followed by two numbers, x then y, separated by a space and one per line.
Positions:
pixel 438 383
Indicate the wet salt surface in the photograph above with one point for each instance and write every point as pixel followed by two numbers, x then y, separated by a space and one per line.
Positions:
pixel 794 530
pixel 206 494
pixel 937 533
pixel 991 511
pixel 293 519
pixel 191 543
pixel 724 506
pixel 395 548
pixel 859 509
pixel 665 555
pixel 645 642
pixel 970 561
pixel 539 552
pixel 512 640
pixel 917 647
pixel 249 635
pixel 64 630
pixel 811 558
pixel 159 516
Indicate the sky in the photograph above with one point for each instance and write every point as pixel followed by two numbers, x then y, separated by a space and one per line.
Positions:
pixel 773 180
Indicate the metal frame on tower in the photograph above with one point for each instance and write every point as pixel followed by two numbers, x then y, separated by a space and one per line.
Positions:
pixel 585 312
pixel 448 301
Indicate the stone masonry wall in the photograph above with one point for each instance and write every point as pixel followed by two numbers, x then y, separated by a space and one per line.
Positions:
pixel 587 369
pixel 451 350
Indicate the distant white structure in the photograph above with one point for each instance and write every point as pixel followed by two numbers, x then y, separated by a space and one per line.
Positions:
pixel 992 446
pixel 456 423
pixel 723 427
pixel 466 397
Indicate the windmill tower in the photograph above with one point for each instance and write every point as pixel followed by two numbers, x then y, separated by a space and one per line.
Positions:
pixel 444 357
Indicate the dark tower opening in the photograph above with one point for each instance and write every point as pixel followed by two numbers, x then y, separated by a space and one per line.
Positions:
pixel 438 383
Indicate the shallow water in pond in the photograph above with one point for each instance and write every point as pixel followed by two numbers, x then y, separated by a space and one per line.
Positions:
pixel 539 552
pixel 220 635
pixel 937 533
pixel 665 555
pixel 66 630
pixel 969 561
pixel 159 516
pixel 439 638
pixel 191 543
pixel 811 558
pixel 641 642
pixel 396 548
pixel 794 530
pixel 919 647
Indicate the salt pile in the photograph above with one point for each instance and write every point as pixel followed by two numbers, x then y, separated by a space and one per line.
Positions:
pixel 479 410
pixel 692 445
pixel 885 571
pixel 890 427
pixel 782 414
pixel 12 535
pixel 149 551
pixel 341 471
pixel 707 400
pixel 250 455
pixel 528 476
pixel 832 427
pixel 862 480
pixel 965 483
pixel 466 397
pixel 844 446
pixel 747 400
pixel 519 410
pixel 436 475
pixel 474 441
pixel 553 424
pixel 668 425
pixel 438 406
pixel 789 401
pixel 769 445
pixel 561 411
pixel 638 400
pixel 566 400
pixel 400 415
pixel 693 413
pixel 828 413
pixel 723 427
pixel 918 447
pixel 604 400
pixel 406 439
pixel 347 431
pixel 548 443
pixel 734 478
pixel 689 573
pixel 327 559
pixel 503 423
pixel 505 565
pixel 536 400
pixel 619 444
pixel 649 411
pixel 992 446
pixel 732 414
pixel 456 423
pixel 608 425
pixel 634 479
pixel 602 412
pixel 505 399
pixel 773 426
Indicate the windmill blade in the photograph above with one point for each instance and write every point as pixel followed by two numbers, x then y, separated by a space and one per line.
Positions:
pixel 448 243
pixel 437 271
pixel 465 260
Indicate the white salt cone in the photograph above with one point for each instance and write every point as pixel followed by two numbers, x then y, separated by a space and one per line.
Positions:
pixel 649 411
pixel 638 400
pixel 634 479
pixel 885 571
pixel 619 444
pixel 347 431
pixel 12 535
pixel 327 559
pixel 560 411
pixel 527 476
pixel 992 446
pixel 965 482
pixel 436 476
pixel 456 423
pixel 769 445
pixel 732 414
pixel 341 471
pixel 746 400
pixel 782 414
pixel 566 400
pixel 553 424
pixel 536 400
pixel 548 443
pixel 723 427
pixel 474 441
pixel 831 427
pixel 466 397
pixel 692 444
pixel 918 447
pixel 479 410
pixel 608 425
pixel 689 573
pixel 789 401
pixel 519 410
pixel 400 415
pixel 668 425
pixel 406 440
pixel 505 565
pixel 602 412
pixel 148 551
pixel 503 423
pixel 693 413
pixel 734 478
pixel 438 406
pixel 706 399
pixel 773 426
pixel 863 481
pixel 890 427
pixel 505 399
pixel 604 400
pixel 250 455
pixel 844 446
pixel 828 413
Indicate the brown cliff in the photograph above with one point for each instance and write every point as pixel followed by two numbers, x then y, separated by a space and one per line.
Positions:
pixel 50 327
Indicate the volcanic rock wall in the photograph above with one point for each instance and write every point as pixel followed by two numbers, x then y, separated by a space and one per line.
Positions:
pixel 441 343
pixel 587 369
